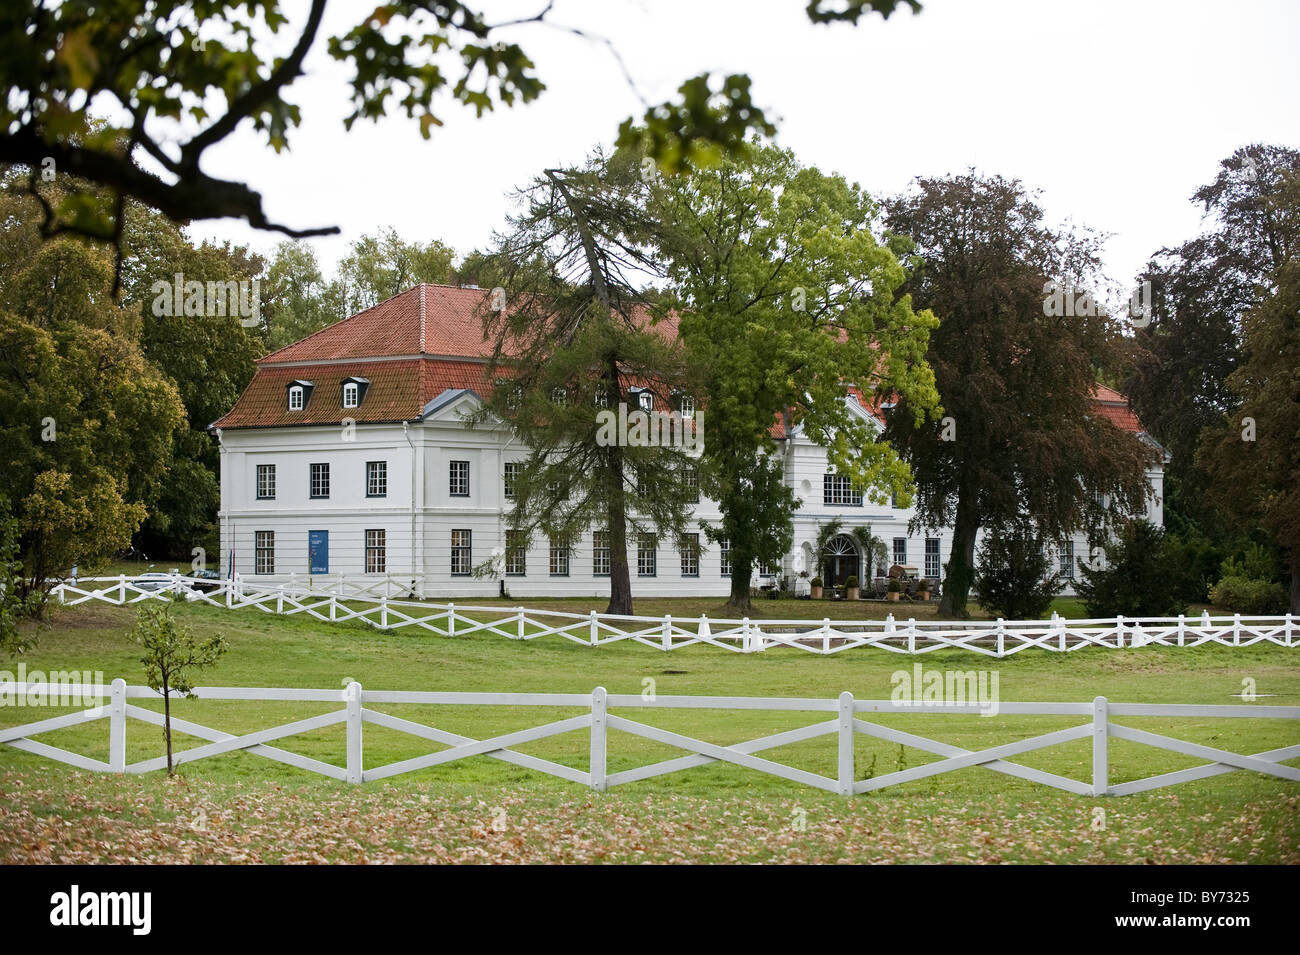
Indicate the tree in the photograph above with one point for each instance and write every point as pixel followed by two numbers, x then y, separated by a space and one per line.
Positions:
pixel 571 337
pixel 163 68
pixel 1015 371
pixel 1013 575
pixel 296 300
pixel 1135 579
pixel 1254 456
pixel 172 657
pixel 1200 291
pixel 381 266
pixel 788 301
pixel 86 421
pixel 13 605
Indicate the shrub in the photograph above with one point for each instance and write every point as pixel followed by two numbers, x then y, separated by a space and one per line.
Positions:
pixel 1013 574
pixel 894 586
pixel 815 582
pixel 1136 580
pixel 851 583
pixel 1240 594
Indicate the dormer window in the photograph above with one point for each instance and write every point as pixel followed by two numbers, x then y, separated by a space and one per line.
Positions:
pixel 686 405
pixel 643 398
pixel 299 395
pixel 354 391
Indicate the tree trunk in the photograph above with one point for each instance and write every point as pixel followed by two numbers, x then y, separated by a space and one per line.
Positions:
pixel 741 573
pixel 167 725
pixel 620 579
pixel 961 565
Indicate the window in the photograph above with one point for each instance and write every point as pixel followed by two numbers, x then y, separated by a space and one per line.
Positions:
pixel 461 553
pixel 516 553
pixel 350 393
pixel 766 570
pixel 691 482
pixel 512 469
pixel 601 397
pixel 724 546
pixel 600 554
pixel 932 557
pixel 559 559
pixel 1067 560
pixel 459 479
pixel 295 398
pixel 560 396
pixel 686 404
pixel 320 480
pixel 376 479
pixel 645 555
pixel 690 550
pixel 645 399
pixel 266 482
pixel 838 491
pixel 376 552
pixel 558 488
pixel 900 550
pixel 264 552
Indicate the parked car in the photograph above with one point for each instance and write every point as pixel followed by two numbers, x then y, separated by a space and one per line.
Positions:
pixel 153 581
pixel 205 581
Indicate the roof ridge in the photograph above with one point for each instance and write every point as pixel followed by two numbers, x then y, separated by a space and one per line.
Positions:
pixel 423 340
pixel 348 319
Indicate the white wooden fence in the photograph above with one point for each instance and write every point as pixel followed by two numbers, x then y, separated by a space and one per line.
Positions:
pixel 847 717
pixel 1000 638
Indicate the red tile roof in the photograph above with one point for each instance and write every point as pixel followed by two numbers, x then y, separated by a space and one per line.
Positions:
pixel 431 330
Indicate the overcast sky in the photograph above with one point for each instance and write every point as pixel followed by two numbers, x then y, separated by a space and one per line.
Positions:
pixel 1117 110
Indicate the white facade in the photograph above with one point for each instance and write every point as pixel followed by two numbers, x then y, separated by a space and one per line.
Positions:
pixel 418 513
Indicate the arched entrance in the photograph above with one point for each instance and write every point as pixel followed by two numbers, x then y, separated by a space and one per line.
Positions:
pixel 841 561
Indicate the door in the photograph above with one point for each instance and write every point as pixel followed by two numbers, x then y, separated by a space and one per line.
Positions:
pixel 841 561
pixel 318 552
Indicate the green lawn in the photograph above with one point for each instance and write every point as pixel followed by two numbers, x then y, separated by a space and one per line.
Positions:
pixel 242 806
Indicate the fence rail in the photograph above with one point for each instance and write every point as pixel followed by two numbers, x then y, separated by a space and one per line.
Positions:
pixel 1000 638
pixel 847 717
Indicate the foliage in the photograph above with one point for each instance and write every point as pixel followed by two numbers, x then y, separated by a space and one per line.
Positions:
pixel 1135 580
pixel 757 523
pixel 86 420
pixel 1011 447
pixel 162 70
pixel 1240 594
pixel 14 606
pixel 173 656
pixel 1013 575
pixel 574 336
pixel 380 266
pixel 1254 455
pixel 786 295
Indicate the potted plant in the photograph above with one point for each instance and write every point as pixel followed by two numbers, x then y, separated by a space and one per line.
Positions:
pixel 923 589
pixel 851 588
pixel 895 588
pixel 815 588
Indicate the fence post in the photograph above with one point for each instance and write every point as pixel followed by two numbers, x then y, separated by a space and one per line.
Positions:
pixel 334 605
pixel 1287 632
pixel 595 633
pixel 117 727
pixel 846 770
pixel 521 622
pixel 353 697
pixel 1059 623
pixel 598 739
pixel 666 635
pixel 451 620
pixel 383 611
pixel 746 644
pixel 121 584
pixel 1236 629
pixel 1182 629
pixel 1002 638
pixel 911 636
pixel 1119 630
pixel 826 634
pixel 1205 619
pixel 1100 747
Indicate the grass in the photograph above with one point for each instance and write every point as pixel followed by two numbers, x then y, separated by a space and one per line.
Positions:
pixel 240 806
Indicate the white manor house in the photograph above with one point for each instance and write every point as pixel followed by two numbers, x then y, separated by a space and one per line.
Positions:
pixel 348 454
